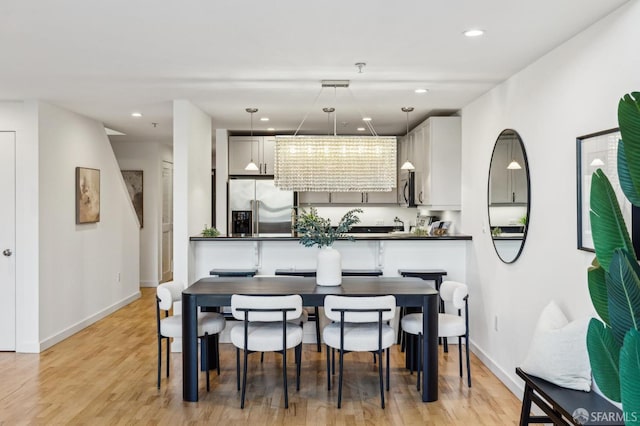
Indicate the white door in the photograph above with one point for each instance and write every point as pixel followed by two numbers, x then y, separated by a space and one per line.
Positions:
pixel 7 242
pixel 167 221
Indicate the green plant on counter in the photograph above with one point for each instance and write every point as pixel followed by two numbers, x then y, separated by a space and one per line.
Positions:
pixel 495 232
pixel 523 220
pixel 614 276
pixel 315 230
pixel 210 232
pixel 421 232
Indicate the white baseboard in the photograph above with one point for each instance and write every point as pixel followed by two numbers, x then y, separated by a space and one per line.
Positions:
pixel 515 387
pixel 149 283
pixel 81 325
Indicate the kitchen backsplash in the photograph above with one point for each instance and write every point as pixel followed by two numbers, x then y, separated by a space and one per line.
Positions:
pixel 383 216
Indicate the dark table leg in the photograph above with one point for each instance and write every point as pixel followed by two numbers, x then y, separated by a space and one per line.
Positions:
pixel 430 348
pixel 189 348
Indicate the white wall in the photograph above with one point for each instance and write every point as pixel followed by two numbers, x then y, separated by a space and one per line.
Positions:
pixel 22 117
pixel 571 91
pixel 86 271
pixel 191 183
pixel 148 157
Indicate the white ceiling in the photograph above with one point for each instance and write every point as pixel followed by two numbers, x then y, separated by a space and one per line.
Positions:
pixel 106 59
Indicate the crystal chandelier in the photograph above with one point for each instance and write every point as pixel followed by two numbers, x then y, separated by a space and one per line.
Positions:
pixel 336 163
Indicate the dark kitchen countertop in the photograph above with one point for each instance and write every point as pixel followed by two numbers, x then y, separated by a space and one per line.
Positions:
pixel 400 236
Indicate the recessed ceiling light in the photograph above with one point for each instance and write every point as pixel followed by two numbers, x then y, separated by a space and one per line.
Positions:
pixel 421 90
pixel 473 33
pixel 136 114
pixel 264 119
pixel 366 119
pixel 270 129
pixel 360 129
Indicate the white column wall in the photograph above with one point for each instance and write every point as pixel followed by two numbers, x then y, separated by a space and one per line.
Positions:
pixel 571 91
pixel 148 157
pixel 86 271
pixel 222 174
pixel 191 183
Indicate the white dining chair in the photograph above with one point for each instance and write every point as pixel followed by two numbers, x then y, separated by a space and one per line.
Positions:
pixel 210 324
pixel 269 324
pixel 449 325
pixel 360 324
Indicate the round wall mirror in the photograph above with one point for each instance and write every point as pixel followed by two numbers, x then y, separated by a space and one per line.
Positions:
pixel 509 196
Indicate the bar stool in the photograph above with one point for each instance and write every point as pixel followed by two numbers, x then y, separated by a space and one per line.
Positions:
pixel 434 275
pixel 234 272
pixel 222 272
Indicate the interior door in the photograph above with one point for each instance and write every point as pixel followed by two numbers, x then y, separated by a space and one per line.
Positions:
pixel 167 221
pixel 7 242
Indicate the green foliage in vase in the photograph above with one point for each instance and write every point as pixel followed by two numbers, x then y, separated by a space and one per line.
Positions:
pixel 315 230
pixel 613 341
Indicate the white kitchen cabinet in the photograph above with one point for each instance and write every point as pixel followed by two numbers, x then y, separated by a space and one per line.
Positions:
pixel 352 198
pixel 243 148
pixel 436 148
pixel 387 197
pixel 311 198
pixel 507 186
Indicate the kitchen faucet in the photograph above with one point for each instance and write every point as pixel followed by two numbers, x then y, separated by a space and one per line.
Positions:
pixel 396 220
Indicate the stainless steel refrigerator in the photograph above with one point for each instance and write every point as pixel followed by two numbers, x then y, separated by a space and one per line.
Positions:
pixel 258 208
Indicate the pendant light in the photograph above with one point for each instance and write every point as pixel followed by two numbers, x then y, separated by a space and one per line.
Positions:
pixel 329 110
pixel 335 163
pixel 408 165
pixel 513 165
pixel 251 167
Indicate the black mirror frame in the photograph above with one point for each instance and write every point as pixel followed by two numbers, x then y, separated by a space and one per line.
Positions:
pixel 528 174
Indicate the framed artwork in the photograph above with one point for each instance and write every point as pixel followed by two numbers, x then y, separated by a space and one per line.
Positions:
pixel 87 195
pixel 597 151
pixel 134 181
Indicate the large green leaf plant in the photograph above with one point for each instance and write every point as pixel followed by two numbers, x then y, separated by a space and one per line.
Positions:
pixel 613 341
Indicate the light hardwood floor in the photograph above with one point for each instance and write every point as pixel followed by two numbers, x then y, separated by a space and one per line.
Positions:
pixel 106 374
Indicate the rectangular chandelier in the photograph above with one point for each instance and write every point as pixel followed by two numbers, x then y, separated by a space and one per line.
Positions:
pixel 336 163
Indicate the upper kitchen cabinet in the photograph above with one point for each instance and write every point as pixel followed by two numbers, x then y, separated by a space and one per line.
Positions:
pixel 311 198
pixel 434 147
pixel 351 198
pixel 243 149
pixel 387 197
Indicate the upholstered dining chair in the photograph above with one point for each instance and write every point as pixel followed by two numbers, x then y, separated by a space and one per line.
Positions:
pixel 210 324
pixel 269 324
pixel 449 325
pixel 360 324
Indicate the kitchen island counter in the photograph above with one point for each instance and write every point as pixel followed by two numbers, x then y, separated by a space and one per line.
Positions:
pixel 386 252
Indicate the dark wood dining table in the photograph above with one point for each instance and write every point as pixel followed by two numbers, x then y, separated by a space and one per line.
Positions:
pixel 217 292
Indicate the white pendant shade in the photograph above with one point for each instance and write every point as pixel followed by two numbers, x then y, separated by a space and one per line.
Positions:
pixel 251 167
pixel 514 165
pixel 408 165
pixel 597 162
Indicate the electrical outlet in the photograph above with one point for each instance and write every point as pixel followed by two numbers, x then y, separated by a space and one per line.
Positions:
pixel 495 323
pixel 380 222
pixel 118 277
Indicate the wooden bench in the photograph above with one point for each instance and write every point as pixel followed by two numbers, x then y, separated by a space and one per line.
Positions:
pixel 561 404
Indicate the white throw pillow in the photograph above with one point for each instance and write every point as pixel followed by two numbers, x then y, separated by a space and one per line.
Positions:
pixel 558 351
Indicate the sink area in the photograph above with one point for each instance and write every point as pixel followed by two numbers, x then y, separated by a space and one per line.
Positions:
pixel 379 229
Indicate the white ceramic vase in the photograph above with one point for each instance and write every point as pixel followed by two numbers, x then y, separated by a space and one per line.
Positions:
pixel 329 268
